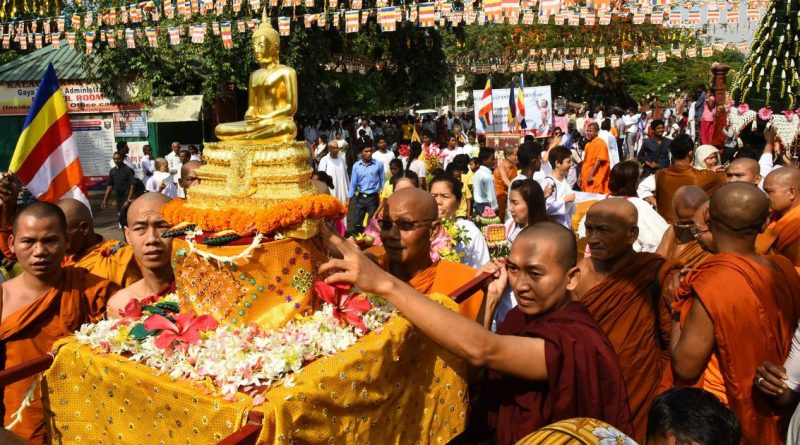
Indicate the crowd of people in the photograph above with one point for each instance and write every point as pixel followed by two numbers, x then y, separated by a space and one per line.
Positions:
pixel 672 316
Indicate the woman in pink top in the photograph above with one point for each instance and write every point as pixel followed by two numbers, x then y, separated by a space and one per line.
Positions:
pixel 707 119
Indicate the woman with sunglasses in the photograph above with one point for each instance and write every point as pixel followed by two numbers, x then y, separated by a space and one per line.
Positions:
pixel 447 191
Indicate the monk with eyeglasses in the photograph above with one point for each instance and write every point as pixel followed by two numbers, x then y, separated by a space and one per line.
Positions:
pixel 409 224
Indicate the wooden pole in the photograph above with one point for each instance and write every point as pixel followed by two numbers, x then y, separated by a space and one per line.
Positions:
pixel 719 85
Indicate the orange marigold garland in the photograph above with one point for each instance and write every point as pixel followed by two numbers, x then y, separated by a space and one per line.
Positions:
pixel 269 220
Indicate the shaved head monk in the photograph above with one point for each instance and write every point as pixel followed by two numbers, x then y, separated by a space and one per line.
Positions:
pixel 152 251
pixel 782 237
pixel 620 288
pixel 409 224
pixel 596 170
pixel 44 303
pixel 737 305
pixel 743 170
pixel 109 259
pixel 548 361
pixel 678 242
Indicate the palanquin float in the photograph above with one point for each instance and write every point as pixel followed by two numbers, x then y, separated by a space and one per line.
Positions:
pixel 243 350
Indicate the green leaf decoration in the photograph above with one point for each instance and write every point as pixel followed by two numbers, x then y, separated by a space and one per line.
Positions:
pixel 138 332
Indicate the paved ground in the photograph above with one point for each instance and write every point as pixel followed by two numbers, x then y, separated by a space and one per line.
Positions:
pixel 105 221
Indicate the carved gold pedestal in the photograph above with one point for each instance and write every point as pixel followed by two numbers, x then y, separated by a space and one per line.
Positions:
pixel 251 174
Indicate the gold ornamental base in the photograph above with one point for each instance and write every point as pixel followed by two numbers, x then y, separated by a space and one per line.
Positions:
pixel 251 174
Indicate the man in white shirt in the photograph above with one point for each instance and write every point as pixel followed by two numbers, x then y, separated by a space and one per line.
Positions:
pixel 631 128
pixel 561 202
pixel 483 192
pixel 365 126
pixel 611 142
pixel 383 155
pixel 148 163
pixel 451 150
pixel 173 160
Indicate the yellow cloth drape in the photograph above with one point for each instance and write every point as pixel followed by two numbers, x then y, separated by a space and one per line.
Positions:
pixel 393 386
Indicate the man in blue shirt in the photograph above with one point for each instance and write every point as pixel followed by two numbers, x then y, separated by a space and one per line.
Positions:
pixel 654 154
pixel 483 191
pixel 366 183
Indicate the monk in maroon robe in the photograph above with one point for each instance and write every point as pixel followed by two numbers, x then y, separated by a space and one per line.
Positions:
pixel 549 361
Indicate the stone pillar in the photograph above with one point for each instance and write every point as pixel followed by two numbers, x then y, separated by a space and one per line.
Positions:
pixel 719 84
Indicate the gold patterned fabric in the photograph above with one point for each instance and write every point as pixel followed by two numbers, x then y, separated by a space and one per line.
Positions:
pixel 268 288
pixel 97 398
pixel 393 386
pixel 578 431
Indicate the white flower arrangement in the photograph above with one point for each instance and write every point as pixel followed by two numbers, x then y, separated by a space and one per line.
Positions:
pixel 235 359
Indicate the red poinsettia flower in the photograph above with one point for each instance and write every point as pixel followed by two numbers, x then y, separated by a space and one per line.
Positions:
pixel 186 328
pixel 346 307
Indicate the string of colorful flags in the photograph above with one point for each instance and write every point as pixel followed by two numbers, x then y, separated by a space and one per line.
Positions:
pixel 138 21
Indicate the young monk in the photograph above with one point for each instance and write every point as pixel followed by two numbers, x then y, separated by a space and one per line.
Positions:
pixel 549 360
pixel 738 305
pixel 622 291
pixel 782 236
pixel 41 305
pixel 144 230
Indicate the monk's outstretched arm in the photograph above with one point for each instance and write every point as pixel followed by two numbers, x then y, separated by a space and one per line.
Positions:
pixel 693 344
pixel 523 357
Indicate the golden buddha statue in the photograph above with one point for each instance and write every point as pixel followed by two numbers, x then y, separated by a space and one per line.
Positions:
pixel 257 163
pixel 272 96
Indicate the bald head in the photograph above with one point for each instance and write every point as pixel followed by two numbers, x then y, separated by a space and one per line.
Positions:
pixel 782 187
pixel 75 211
pixel 785 176
pixel 148 202
pixel 420 203
pixel 686 201
pixel 619 208
pixel 743 170
pixel 80 226
pixel 41 210
pixel 738 209
pixel 563 240
pixel 188 174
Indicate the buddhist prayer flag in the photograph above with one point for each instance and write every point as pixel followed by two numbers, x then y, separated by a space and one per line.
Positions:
pixel 713 16
pixel 493 9
pixel 309 20
pixel 71 39
pixel 512 109
pixel 227 35
pixel 675 18
pixel 511 10
pixel 549 7
pixel 55 38
pixel 38 40
pixel 351 21
pixel 521 104
pixel 694 17
pixel 284 26
pixel 426 14
pixel 486 106
pixel 388 19
pixel 46 156
pixel 89 39
pixel 753 13
pixel 152 39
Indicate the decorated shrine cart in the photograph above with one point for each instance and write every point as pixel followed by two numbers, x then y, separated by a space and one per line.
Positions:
pixel 249 347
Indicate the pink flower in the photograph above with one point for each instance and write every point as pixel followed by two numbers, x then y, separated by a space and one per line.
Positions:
pixel 765 113
pixel 186 328
pixel 373 230
pixel 744 108
pixel 488 212
pixel 134 307
pixel 346 308
pixel 789 115
pixel 404 151
pixel 441 242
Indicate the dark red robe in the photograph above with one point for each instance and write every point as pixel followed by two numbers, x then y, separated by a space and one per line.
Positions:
pixel 584 377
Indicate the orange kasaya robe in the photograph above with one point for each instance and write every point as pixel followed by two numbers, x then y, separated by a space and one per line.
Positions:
pixel 443 277
pixel 691 253
pixel 109 259
pixel 782 237
pixel 500 188
pixel 624 305
pixel 670 179
pixel 754 310
pixel 30 332
pixel 596 151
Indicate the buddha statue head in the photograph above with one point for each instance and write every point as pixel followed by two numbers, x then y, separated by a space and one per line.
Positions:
pixel 266 42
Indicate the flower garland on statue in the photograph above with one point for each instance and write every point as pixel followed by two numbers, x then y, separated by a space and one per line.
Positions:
pixel 786 126
pixel 443 247
pixel 192 347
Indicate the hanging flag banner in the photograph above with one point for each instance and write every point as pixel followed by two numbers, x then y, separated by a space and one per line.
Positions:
pixel 351 21
pixel 538 111
pixel 227 35
pixel 426 14
pixel 388 19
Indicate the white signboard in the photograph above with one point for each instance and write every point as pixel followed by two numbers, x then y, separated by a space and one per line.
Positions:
pixel 538 111
pixel 94 136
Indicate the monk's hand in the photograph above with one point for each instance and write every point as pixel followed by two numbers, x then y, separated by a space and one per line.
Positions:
pixel 9 188
pixel 771 379
pixel 349 265
pixel 769 134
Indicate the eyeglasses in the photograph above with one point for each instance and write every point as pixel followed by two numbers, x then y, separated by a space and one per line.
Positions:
pixel 696 232
pixel 405 226
pixel 683 226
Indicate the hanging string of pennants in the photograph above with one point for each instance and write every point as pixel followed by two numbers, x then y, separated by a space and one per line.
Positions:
pixel 143 21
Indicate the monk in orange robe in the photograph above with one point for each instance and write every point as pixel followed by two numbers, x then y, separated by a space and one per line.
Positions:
pixel 44 303
pixel 748 311
pixel 408 226
pixel 503 174
pixel 596 170
pixel 153 252
pixel 108 259
pixel 680 173
pixel 621 290
pixel 678 242
pixel 782 236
